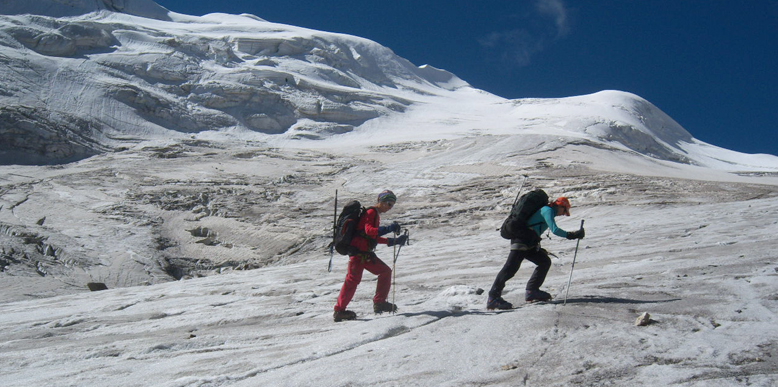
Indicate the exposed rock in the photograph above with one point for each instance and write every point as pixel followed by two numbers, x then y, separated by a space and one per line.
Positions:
pixel 96 286
pixel 643 320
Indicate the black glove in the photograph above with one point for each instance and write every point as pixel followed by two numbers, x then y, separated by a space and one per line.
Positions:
pixel 400 240
pixel 576 234
pixel 394 227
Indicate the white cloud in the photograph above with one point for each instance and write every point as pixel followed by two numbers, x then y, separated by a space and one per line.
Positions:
pixel 557 10
pixel 517 46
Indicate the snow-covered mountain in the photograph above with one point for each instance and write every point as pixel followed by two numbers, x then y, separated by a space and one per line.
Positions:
pixel 77 83
pixel 218 144
pixel 78 86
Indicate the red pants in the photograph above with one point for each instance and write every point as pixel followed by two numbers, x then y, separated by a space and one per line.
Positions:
pixel 356 265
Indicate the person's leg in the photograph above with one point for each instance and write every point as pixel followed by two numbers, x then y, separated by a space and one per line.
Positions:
pixel 353 278
pixel 384 273
pixel 543 262
pixel 508 271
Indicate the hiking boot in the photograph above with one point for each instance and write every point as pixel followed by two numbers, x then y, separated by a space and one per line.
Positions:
pixel 380 307
pixel 498 303
pixel 537 296
pixel 342 315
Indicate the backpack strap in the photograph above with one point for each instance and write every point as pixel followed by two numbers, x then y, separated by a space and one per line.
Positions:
pixel 371 242
pixel 361 232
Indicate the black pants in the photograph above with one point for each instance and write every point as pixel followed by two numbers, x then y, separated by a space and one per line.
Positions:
pixel 538 257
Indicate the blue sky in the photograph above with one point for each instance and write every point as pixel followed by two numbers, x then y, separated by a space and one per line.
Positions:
pixel 712 65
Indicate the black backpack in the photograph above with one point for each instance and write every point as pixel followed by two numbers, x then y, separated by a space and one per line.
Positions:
pixel 346 227
pixel 515 226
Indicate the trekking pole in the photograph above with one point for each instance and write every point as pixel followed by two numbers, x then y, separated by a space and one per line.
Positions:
pixel 396 254
pixel 334 232
pixel 571 269
pixel 407 241
pixel 394 274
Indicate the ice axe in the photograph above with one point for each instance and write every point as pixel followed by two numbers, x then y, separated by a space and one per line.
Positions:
pixel 571 269
pixel 519 193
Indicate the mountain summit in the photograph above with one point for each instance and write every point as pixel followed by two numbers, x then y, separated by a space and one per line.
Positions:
pixel 65 8
pixel 83 77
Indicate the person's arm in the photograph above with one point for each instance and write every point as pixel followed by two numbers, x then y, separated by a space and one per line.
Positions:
pixel 370 229
pixel 548 215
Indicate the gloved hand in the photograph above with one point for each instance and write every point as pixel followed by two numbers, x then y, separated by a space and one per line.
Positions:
pixel 394 227
pixel 400 240
pixel 576 234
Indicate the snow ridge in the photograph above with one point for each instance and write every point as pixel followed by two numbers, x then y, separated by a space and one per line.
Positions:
pixel 65 8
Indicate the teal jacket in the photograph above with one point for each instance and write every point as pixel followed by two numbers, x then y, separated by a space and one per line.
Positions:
pixel 544 220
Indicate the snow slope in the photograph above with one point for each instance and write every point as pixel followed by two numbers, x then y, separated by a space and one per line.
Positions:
pixel 699 256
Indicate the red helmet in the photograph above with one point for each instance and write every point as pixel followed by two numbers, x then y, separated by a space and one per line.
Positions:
pixel 563 203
